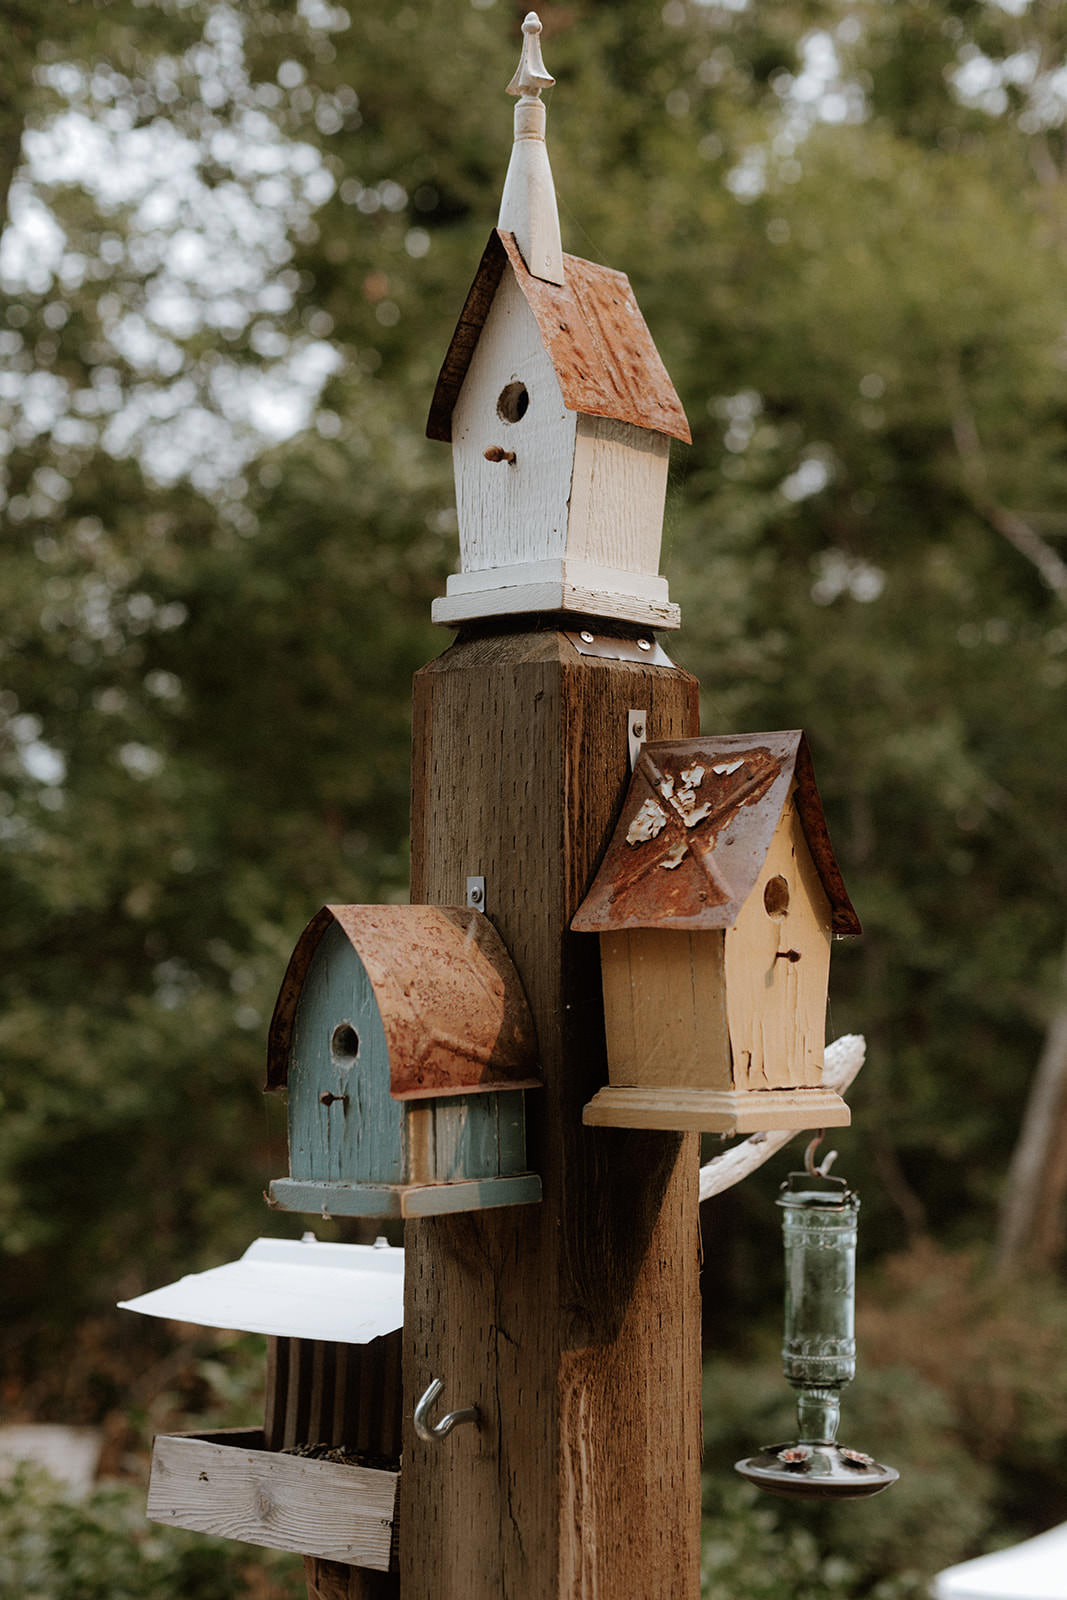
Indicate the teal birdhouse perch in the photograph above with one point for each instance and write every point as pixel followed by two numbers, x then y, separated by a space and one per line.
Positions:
pixel 404 1039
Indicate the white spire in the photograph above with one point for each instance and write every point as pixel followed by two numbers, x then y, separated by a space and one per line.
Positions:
pixel 528 204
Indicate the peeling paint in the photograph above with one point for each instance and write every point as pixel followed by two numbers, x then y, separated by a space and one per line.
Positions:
pixel 724 768
pixel 692 777
pixel 650 820
pixel 674 857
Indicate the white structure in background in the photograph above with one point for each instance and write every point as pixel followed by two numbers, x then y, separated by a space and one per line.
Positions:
pixel 1033 1570
pixel 292 1288
pixel 69 1455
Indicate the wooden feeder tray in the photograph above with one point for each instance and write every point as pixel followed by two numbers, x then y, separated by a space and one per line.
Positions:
pixel 229 1484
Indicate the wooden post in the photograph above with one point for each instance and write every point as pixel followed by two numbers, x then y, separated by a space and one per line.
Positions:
pixel 573 1325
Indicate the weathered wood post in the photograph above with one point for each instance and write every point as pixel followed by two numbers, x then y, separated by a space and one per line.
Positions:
pixel 572 1325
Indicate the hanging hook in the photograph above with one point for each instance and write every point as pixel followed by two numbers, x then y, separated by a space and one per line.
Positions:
pixel 431 1431
pixel 823 1169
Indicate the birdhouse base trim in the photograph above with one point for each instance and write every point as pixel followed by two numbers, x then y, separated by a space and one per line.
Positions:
pixel 229 1484
pixel 403 1199
pixel 579 587
pixel 715 1110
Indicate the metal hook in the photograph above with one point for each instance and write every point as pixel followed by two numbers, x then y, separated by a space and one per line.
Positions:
pixel 823 1169
pixel 431 1431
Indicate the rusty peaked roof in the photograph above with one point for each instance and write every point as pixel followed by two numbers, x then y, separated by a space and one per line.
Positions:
pixel 595 336
pixel 695 829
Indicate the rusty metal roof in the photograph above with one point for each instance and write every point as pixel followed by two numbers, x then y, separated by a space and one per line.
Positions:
pixel 595 336
pixel 695 828
pixel 453 1008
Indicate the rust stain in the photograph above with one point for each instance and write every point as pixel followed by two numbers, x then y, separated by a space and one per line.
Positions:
pixel 721 799
pixel 598 341
pixel 452 1005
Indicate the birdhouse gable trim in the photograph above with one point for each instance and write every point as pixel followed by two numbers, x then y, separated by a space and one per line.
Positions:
pixel 695 829
pixel 593 331
pixel 455 1016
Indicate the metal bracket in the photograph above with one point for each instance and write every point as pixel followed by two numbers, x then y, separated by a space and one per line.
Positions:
pixel 476 893
pixel 429 1431
pixel 636 733
pixel 612 648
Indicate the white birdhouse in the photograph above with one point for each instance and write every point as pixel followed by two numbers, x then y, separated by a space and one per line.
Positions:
pixel 559 411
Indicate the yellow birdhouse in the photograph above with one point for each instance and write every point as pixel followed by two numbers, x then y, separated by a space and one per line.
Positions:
pixel 715 905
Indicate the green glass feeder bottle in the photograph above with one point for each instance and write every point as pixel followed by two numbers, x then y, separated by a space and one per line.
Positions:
pixel 819 1216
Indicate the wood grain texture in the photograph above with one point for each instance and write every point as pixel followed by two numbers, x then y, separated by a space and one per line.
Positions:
pixel 778 971
pixel 404 1200
pixel 511 513
pixel 665 1008
pixel 574 1325
pixel 331 1580
pixel 358 1136
pixel 229 1485
pixel 612 605
pixel 618 488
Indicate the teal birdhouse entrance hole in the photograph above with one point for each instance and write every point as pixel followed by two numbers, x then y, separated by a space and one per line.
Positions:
pixel 403 1036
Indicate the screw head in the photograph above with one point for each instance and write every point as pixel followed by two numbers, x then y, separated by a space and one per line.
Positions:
pixel 639 730
pixel 644 644
pixel 476 895
pixel 585 636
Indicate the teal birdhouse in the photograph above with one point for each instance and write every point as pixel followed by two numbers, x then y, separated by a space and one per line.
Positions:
pixel 404 1039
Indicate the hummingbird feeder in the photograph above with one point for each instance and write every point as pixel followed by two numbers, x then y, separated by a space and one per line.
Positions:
pixel 819 1216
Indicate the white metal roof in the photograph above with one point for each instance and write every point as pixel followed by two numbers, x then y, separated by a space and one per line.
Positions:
pixel 1033 1570
pixel 296 1288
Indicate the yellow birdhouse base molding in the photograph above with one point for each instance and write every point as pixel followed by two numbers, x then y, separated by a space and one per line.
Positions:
pixel 715 1110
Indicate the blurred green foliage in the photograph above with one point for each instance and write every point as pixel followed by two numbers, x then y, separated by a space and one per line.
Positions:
pixel 845 223
pixel 101 1548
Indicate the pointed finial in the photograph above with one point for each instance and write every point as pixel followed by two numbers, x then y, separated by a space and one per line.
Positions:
pixel 530 75
pixel 528 204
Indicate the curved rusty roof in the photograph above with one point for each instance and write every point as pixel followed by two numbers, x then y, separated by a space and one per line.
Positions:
pixel 695 829
pixel 453 1008
pixel 595 336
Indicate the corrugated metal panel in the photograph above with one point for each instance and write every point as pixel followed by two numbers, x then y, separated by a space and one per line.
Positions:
pixel 296 1289
pixel 453 1008
pixel 593 331
pixel 695 828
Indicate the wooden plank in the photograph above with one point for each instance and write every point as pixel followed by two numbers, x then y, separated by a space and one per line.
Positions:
pixel 574 1325
pixel 274 1394
pixel 708 968
pixel 482 1194
pixel 511 1124
pixel 666 1046
pixel 391 1396
pixel 298 1392
pixel 345 1393
pixel 577 597
pixel 358 1134
pixel 330 1580
pixel 404 1200
pixel 466 1138
pixel 617 492
pixel 714 1110
pixel 777 970
pixel 518 512
pixel 320 1406
pixel 284 1502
